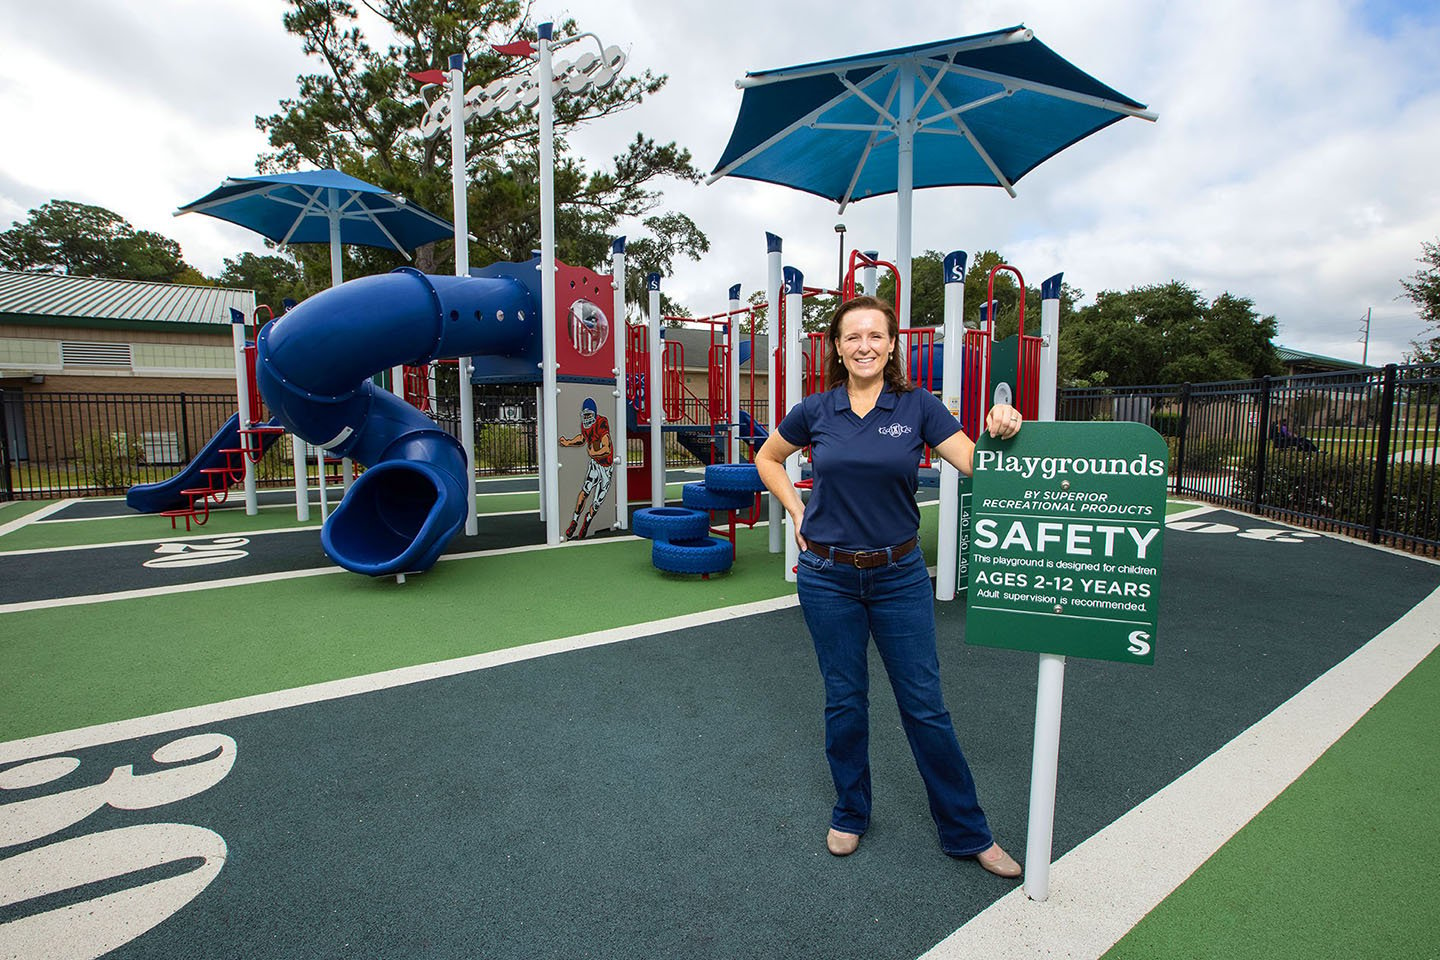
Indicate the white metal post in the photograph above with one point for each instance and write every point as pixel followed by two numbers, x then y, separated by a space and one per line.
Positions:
pixel 324 495
pixel 904 189
pixel 462 269
pixel 551 439
pixel 619 424
pixel 337 257
pixel 1049 345
pixel 542 456
pixel 245 415
pixel 734 412
pixel 947 561
pixel 1044 767
pixel 794 308
pixel 1050 679
pixel 655 390
pixel 868 281
pixel 773 292
pixel 301 464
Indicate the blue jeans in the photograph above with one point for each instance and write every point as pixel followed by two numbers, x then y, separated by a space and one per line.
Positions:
pixel 844 607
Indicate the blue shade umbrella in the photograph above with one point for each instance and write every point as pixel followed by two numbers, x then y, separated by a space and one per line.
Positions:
pixel 322 206
pixel 982 110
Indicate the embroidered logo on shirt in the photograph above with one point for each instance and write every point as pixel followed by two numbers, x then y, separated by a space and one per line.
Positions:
pixel 895 430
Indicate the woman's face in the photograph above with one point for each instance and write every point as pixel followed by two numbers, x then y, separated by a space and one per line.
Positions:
pixel 864 343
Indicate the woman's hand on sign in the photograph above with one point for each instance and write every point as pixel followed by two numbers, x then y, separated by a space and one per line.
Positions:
pixel 1003 421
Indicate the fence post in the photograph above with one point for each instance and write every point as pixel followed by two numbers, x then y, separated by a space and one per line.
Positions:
pixel 6 492
pixel 184 432
pixel 1260 445
pixel 1382 452
pixel 1178 467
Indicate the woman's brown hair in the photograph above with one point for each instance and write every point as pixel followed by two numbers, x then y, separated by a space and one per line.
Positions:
pixel 835 372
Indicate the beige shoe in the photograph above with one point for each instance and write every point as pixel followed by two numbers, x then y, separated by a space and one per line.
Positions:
pixel 841 844
pixel 998 862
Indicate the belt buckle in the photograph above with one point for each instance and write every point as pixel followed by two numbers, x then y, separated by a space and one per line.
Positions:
pixel 867 559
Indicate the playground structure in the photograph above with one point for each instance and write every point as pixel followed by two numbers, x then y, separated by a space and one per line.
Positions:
pixel 545 323
pixel 315 368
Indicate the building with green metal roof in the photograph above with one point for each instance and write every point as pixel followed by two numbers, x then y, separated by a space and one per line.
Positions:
pixel 68 333
pixel 1298 361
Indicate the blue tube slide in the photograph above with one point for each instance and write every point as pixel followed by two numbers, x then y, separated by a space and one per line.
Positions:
pixel 314 370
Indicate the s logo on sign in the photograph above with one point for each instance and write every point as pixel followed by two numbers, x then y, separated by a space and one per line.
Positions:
pixel 1139 643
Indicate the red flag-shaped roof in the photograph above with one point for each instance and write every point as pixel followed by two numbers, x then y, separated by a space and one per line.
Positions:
pixel 520 48
pixel 428 76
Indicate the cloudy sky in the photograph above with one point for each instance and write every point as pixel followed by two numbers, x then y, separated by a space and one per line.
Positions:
pixel 1293 162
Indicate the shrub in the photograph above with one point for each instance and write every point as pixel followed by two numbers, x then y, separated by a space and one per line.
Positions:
pixel 109 459
pixel 1166 422
pixel 278 462
pixel 1202 454
pixel 502 448
pixel 1324 485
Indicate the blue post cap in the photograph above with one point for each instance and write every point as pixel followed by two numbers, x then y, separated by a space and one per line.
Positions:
pixel 735 292
pixel 955 266
pixel 544 30
pixel 872 254
pixel 652 281
pixel 617 245
pixel 237 316
pixel 985 312
pixel 1050 289
pixel 288 304
pixel 457 61
pixel 772 243
pixel 794 280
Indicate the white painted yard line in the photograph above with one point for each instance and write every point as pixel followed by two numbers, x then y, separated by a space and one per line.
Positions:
pixel 80 601
pixel 182 537
pixel 34 515
pixel 1103 887
pixel 176 538
pixel 264 506
pixel 84 737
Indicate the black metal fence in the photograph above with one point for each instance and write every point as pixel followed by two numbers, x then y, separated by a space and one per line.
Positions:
pixel 79 444
pixel 1353 452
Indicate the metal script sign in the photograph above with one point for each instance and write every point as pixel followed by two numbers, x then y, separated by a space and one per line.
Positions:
pixel 1067 522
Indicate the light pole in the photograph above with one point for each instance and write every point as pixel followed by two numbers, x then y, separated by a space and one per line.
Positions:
pixel 840 281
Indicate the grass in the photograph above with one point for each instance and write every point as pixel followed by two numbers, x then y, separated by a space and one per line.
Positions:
pixel 1355 837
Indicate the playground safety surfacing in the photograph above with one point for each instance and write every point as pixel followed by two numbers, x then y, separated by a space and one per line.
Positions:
pixel 593 777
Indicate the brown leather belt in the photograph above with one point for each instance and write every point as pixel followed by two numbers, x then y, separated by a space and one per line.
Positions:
pixel 864 559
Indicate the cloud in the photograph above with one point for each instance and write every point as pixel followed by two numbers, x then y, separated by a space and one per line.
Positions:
pixel 1290 164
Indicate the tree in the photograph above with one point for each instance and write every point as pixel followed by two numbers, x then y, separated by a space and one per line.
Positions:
pixel 1166 333
pixel 815 313
pixel 273 278
pixel 360 114
pixel 671 235
pixel 1422 288
pixel 89 241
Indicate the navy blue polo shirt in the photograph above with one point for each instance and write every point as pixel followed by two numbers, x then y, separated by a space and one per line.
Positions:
pixel 866 470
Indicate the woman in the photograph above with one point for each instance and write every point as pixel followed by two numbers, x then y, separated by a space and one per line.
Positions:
pixel 861 572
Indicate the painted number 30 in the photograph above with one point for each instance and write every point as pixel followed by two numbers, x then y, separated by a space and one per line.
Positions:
pixel 115 912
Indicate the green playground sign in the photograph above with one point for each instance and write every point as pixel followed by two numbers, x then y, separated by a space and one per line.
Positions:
pixel 1065 533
